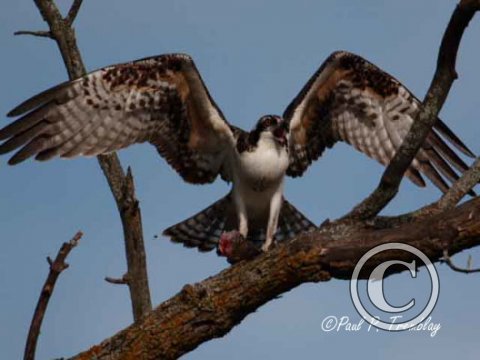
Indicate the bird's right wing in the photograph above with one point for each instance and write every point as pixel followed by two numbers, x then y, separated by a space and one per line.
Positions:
pixel 161 99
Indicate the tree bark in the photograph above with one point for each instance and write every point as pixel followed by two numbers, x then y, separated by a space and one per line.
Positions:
pixel 211 308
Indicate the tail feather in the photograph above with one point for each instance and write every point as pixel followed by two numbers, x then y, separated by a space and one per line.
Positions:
pixel 292 222
pixel 203 230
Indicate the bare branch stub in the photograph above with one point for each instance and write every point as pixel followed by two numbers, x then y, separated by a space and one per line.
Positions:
pixel 442 81
pixel 448 260
pixel 56 266
pixel 64 35
pixel 40 33
pixel 121 281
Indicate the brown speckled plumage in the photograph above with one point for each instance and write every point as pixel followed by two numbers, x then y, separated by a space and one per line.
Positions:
pixel 153 99
pixel 163 100
pixel 366 75
pixel 349 99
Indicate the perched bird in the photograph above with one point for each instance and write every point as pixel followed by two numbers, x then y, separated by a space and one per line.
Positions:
pixel 163 100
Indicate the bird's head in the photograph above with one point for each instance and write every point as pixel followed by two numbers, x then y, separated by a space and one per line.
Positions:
pixel 275 126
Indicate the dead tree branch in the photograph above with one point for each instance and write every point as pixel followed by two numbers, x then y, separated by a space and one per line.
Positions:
pixel 121 281
pixel 73 12
pixel 442 81
pixel 461 187
pixel 121 185
pixel 211 308
pixel 449 200
pixel 56 267
pixel 46 34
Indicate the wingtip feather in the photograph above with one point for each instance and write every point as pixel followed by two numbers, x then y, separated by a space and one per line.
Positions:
pixel 15 160
pixel 54 93
pixel 14 112
pixel 443 129
pixel 415 177
pixel 25 106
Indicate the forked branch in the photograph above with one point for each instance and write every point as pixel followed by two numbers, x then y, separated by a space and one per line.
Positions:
pixel 448 260
pixel 56 267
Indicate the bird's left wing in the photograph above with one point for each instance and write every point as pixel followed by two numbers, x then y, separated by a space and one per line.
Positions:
pixel 349 99
pixel 161 100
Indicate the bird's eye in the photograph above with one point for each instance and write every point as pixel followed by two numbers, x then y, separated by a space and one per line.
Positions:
pixel 269 122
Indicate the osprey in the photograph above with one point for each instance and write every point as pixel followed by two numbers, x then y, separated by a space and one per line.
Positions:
pixel 163 100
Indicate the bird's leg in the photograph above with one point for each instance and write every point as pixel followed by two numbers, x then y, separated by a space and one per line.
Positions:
pixel 242 216
pixel 228 239
pixel 275 206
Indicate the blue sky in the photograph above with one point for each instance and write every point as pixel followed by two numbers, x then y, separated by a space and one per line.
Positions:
pixel 254 56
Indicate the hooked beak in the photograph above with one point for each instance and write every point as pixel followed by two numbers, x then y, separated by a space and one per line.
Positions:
pixel 280 134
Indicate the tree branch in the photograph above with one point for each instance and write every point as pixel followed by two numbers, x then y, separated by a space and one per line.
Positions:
pixel 73 12
pixel 121 185
pixel 449 200
pixel 211 308
pixel 56 267
pixel 448 260
pixel 442 81
pixel 461 187
pixel 122 281
pixel 40 33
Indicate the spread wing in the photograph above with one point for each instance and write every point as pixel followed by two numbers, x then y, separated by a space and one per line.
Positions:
pixel 349 99
pixel 161 100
